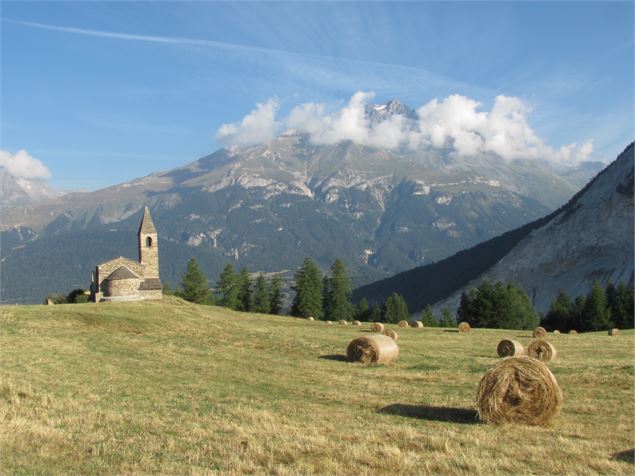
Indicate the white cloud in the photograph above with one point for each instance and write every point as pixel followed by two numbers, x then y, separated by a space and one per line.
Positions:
pixel 22 165
pixel 257 127
pixel 456 123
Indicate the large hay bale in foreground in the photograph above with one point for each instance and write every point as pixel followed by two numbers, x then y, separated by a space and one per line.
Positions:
pixel 375 349
pixel 356 323
pixel 539 333
pixel 392 334
pixel 464 328
pixel 377 327
pixel 518 390
pixel 510 348
pixel 403 323
pixel 542 350
pixel 417 324
pixel 614 332
pixel 343 322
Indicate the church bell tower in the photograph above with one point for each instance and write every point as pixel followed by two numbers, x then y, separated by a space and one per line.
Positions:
pixel 148 245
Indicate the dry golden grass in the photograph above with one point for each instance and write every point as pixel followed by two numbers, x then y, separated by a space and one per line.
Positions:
pixel 174 388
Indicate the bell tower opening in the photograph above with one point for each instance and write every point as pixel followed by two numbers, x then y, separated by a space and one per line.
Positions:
pixel 149 242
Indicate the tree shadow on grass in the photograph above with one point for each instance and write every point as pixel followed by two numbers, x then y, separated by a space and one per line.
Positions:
pixel 451 330
pixel 338 357
pixel 627 456
pixel 427 412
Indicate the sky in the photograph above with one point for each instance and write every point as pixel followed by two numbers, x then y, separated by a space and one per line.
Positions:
pixel 98 93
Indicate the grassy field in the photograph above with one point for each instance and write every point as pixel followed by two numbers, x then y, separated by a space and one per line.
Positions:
pixel 176 388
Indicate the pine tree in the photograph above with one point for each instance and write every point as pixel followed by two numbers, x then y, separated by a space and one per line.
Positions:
pixel 447 320
pixel 626 296
pixel 245 294
pixel 194 284
pixel 261 296
pixel 276 297
pixel 427 317
pixel 595 314
pixel 395 309
pixel 338 293
pixel 561 313
pixel 227 286
pixel 375 313
pixel 362 310
pixel 308 291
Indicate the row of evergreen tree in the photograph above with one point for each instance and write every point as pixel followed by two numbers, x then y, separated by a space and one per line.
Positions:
pixel 599 310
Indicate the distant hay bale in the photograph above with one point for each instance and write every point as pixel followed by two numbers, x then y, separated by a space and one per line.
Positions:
pixel 614 332
pixel 328 322
pixel 510 348
pixel 311 318
pixel 356 323
pixel 539 333
pixel 377 327
pixel 542 350
pixel 343 322
pixel 417 324
pixel 518 390
pixel 556 332
pixel 573 332
pixel 392 334
pixel 374 349
pixel 464 328
pixel 403 324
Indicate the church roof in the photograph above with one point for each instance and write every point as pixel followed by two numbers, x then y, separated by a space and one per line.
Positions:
pixel 121 273
pixel 147 225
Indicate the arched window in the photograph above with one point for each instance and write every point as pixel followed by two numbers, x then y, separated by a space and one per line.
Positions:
pixel 148 242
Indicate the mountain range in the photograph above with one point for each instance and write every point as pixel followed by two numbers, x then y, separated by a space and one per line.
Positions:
pixel 589 238
pixel 269 206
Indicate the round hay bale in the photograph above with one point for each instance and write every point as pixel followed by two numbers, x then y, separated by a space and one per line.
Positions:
pixel 417 324
pixel 573 332
pixel 539 333
pixel 311 318
pixel 392 334
pixel 377 327
pixel 614 332
pixel 343 322
pixel 403 323
pixel 356 323
pixel 375 349
pixel 328 322
pixel 556 332
pixel 464 328
pixel 518 390
pixel 542 350
pixel 510 348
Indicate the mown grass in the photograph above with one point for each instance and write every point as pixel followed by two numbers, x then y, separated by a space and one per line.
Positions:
pixel 175 388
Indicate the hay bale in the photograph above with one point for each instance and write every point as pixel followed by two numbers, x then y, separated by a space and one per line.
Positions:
pixel 392 334
pixel 539 333
pixel 573 332
pixel 614 332
pixel 510 348
pixel 542 350
pixel 518 390
pixel 403 324
pixel 375 349
pixel 328 322
pixel 417 324
pixel 356 323
pixel 464 328
pixel 343 322
pixel 377 327
pixel 310 318
pixel 556 332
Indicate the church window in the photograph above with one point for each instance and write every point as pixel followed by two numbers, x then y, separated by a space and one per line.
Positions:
pixel 148 241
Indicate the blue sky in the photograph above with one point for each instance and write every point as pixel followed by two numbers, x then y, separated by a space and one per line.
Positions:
pixel 102 92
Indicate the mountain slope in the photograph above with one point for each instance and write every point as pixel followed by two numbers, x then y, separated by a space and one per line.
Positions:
pixel 17 191
pixel 589 238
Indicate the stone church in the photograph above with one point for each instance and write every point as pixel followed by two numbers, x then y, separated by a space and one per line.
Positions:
pixel 123 279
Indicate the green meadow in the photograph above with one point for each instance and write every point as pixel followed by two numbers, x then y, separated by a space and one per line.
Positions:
pixel 175 388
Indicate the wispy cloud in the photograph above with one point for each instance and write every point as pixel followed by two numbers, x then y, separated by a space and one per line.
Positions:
pixel 383 78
